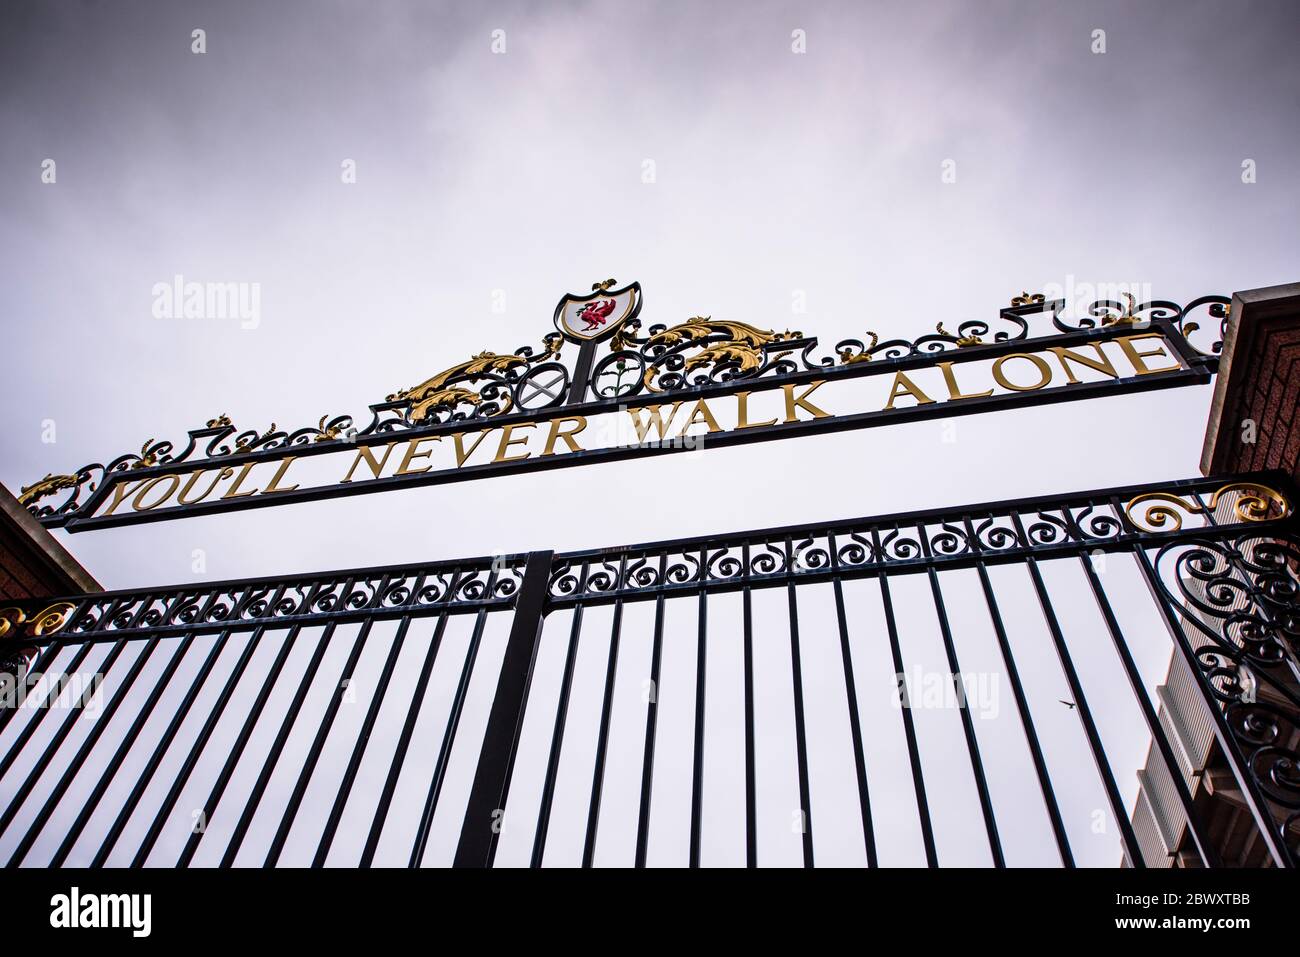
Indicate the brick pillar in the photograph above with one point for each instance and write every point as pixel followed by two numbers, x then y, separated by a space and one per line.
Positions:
pixel 1258 386
pixel 32 563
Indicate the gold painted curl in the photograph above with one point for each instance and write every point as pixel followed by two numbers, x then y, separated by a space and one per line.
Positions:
pixel 1163 511
pixel 46 622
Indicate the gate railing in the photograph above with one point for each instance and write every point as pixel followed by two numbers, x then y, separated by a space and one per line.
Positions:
pixel 381 716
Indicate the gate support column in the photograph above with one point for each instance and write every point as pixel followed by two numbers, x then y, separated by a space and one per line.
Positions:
pixel 1252 423
pixel 487 798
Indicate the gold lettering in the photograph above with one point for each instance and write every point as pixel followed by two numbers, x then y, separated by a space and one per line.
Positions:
pixel 1044 372
pixel 279 474
pixel 742 414
pixel 953 391
pixel 461 454
pixel 375 467
pixel 905 386
pixel 654 418
pixel 413 453
pixel 555 435
pixel 221 474
pixel 120 491
pixel 700 415
pixel 239 480
pixel 801 400
pixel 138 503
pixel 1135 357
pixel 507 441
pixel 1100 364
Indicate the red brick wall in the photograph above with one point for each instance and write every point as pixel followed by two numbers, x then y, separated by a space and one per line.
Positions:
pixel 1271 403
pixel 32 563
pixel 1259 382
pixel 20 576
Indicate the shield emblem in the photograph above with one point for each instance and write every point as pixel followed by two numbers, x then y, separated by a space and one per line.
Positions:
pixel 595 316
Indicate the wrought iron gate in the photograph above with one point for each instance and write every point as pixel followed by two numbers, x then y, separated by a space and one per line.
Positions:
pixel 732 699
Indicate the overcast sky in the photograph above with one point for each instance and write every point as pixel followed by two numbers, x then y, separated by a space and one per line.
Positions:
pixel 775 172
pixel 776 175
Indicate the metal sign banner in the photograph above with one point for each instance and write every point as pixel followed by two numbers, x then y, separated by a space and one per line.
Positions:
pixel 702 384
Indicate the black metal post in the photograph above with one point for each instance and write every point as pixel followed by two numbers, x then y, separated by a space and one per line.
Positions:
pixel 492 778
pixel 581 373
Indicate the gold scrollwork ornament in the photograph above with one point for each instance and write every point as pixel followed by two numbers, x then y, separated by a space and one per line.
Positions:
pixel 47 486
pixel 742 348
pixel 1128 318
pixel 961 341
pixel 46 622
pixel 437 393
pixel 1163 511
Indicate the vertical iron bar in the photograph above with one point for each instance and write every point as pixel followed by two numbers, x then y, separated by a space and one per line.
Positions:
pixel 1081 705
pixel 403 743
pixel 159 751
pixel 751 763
pixel 701 671
pixel 602 737
pixel 237 749
pixel 1209 856
pixel 1022 706
pixel 905 704
pixel 359 747
pixel 651 722
pixel 851 693
pixel 967 725
pixel 83 752
pixel 42 662
pixel 491 788
pixel 123 748
pixel 196 749
pixel 557 733
pixel 317 745
pixel 277 747
pixel 448 739
pixel 800 731
pixel 52 747
pixel 34 721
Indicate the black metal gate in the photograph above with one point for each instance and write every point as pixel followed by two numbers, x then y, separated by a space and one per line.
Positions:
pixel 973 685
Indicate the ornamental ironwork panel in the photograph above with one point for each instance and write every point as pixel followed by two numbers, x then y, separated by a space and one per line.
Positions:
pixel 618 391
pixel 1238 602
pixel 316 719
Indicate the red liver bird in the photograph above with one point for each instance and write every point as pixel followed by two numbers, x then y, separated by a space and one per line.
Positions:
pixel 594 314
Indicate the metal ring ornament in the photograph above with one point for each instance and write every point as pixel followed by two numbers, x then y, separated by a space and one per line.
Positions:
pixel 555 388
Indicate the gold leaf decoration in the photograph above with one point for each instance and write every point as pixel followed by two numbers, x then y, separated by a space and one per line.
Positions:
pixel 1163 511
pixel 10 618
pixel 743 346
pixel 45 622
pixel 961 341
pixel 47 486
pixel 1128 318
pixel 148 456
pixel 435 393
